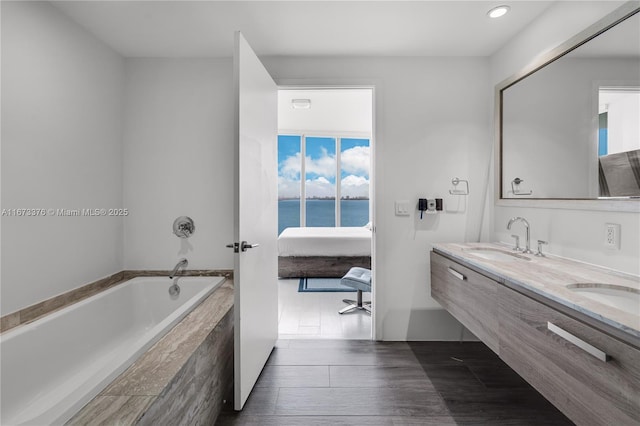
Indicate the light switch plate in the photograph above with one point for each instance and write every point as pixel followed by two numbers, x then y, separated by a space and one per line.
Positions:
pixel 402 208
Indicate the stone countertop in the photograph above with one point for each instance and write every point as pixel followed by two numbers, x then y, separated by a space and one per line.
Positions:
pixel 549 276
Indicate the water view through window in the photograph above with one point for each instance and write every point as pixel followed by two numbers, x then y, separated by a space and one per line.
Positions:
pixel 321 182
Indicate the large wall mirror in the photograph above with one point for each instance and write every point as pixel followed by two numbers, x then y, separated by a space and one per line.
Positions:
pixel 569 126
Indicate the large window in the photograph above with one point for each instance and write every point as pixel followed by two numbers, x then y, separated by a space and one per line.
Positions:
pixel 320 181
pixel 289 172
pixel 334 168
pixel 354 182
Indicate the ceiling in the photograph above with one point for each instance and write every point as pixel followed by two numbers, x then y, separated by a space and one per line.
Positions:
pixel 302 28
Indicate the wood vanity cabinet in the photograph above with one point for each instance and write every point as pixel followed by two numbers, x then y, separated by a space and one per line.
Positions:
pixel 589 375
pixel 469 296
pixel 587 389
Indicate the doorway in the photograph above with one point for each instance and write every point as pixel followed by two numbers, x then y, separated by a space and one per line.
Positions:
pixel 325 190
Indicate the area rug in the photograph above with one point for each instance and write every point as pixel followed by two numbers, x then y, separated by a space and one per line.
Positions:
pixel 322 285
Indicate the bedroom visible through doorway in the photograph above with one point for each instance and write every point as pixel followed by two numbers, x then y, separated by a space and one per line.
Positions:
pixel 325 209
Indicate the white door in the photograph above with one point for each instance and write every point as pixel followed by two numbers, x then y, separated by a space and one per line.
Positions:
pixel 256 223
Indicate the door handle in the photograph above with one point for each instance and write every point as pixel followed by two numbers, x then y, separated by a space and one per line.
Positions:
pixel 244 246
pixel 234 246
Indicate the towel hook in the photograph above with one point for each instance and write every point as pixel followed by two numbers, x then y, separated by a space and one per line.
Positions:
pixel 455 181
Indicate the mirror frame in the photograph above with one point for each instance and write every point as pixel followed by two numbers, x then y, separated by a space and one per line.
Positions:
pixel 603 204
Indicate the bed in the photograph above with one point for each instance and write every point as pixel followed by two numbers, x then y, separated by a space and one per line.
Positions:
pixel 323 252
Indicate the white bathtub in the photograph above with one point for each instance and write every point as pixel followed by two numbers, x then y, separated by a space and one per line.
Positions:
pixel 53 366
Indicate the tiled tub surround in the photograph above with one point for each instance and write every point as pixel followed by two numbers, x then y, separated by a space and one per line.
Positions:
pixel 548 277
pixel 182 379
pixel 37 310
pixel 581 354
pixel 53 366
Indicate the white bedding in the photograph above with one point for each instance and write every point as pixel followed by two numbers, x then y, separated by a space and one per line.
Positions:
pixel 344 241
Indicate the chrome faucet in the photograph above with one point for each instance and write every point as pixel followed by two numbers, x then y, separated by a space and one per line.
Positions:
pixel 527 228
pixel 181 264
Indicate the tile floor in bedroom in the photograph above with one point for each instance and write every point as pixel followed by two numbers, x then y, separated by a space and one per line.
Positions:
pixel 315 315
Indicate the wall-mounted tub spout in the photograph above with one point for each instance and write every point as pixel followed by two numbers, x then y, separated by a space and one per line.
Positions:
pixel 181 264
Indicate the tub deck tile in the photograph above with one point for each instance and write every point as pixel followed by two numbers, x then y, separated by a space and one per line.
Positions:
pixel 152 372
pixel 227 273
pixel 46 307
pixel 9 321
pixel 139 393
pixel 113 410
pixel 195 395
pixel 55 303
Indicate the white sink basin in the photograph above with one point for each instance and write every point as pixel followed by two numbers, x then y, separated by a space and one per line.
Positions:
pixel 491 253
pixel 624 298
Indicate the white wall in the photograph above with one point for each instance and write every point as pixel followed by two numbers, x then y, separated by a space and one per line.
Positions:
pixel 577 234
pixel 178 161
pixel 431 119
pixel 558 23
pixel 432 123
pixel 61 148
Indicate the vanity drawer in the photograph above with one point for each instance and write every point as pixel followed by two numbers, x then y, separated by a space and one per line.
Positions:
pixel 469 296
pixel 585 388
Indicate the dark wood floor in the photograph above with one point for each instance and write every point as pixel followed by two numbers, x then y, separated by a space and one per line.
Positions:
pixel 350 382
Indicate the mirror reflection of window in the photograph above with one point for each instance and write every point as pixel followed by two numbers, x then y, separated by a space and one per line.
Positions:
pixel 619 119
pixel 603 132
pixel 619 141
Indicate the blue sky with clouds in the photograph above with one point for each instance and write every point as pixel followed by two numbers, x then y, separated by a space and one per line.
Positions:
pixel 320 166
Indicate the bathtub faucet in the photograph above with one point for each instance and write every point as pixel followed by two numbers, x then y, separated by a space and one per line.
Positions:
pixel 181 264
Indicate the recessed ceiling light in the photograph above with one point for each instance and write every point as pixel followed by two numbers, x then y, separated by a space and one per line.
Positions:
pixel 301 103
pixel 498 11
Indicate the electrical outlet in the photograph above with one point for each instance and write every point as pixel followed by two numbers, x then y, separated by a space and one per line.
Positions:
pixel 612 236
